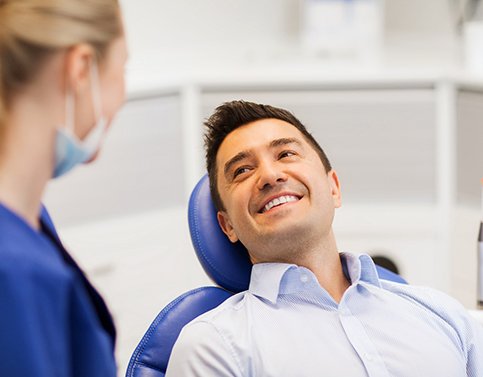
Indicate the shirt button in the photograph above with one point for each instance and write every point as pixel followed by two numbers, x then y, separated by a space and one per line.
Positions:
pixel 369 357
pixel 344 312
pixel 304 278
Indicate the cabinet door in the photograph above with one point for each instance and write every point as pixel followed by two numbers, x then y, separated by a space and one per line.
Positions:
pixel 467 216
pixel 139 168
pixel 469 147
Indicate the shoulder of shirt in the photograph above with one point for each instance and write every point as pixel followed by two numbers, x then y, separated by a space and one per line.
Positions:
pixel 439 303
pixel 209 334
pixel 227 309
pixel 217 323
pixel 422 295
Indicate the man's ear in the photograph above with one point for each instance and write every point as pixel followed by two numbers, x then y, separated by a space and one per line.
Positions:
pixel 335 188
pixel 226 227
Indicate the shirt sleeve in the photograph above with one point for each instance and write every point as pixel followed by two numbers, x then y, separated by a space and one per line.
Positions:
pixel 201 350
pixel 475 348
pixel 468 329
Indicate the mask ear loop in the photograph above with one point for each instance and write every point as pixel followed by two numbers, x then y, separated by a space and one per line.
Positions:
pixel 96 136
pixel 69 111
pixel 96 92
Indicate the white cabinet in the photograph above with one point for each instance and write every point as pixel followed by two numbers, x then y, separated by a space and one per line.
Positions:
pixel 469 139
pixel 380 141
pixel 469 172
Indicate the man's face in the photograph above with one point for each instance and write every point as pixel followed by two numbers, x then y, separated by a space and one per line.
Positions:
pixel 275 190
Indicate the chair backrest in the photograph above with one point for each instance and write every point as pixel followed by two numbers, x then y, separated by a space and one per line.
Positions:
pixel 227 264
pixel 150 358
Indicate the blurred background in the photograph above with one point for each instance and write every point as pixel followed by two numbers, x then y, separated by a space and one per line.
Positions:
pixel 392 90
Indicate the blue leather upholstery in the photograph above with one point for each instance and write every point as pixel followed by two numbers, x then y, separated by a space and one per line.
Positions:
pixel 227 264
pixel 150 359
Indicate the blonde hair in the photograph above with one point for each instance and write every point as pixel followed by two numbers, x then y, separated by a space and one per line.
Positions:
pixel 32 30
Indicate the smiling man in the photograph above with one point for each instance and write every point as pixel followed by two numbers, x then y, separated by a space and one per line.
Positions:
pixel 310 310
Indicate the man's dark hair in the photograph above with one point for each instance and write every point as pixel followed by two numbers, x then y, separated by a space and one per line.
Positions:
pixel 232 115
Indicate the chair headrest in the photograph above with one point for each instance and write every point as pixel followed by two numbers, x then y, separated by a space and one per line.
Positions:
pixel 226 263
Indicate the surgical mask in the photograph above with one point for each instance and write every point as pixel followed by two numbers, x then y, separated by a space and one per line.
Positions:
pixel 69 150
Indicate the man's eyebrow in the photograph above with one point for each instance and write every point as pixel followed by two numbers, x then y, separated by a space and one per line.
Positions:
pixel 244 154
pixel 232 161
pixel 284 141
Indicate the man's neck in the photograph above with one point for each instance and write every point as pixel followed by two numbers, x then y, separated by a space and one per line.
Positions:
pixel 322 258
pixel 326 265
pixel 330 275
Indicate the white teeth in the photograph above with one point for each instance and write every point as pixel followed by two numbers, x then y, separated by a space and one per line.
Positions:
pixel 279 200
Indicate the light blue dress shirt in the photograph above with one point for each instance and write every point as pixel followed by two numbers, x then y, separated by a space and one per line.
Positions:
pixel 287 325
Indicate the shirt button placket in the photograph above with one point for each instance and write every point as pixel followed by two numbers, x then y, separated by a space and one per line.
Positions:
pixel 345 312
pixel 361 343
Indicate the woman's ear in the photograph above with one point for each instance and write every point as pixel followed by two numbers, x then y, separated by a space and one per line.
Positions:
pixel 226 227
pixel 78 61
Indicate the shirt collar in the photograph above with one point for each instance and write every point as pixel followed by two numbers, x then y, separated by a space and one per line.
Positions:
pixel 359 268
pixel 268 280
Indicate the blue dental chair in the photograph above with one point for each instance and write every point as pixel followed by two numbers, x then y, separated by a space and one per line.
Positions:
pixel 225 263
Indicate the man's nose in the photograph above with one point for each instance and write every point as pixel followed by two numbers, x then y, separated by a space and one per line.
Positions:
pixel 269 175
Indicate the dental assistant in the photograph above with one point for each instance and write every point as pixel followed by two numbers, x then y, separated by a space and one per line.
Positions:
pixel 61 83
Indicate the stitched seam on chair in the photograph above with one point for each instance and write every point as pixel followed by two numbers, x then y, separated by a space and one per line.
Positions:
pixel 200 246
pixel 149 366
pixel 140 348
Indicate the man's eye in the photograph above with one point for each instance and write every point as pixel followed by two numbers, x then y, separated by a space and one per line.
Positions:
pixel 286 154
pixel 239 171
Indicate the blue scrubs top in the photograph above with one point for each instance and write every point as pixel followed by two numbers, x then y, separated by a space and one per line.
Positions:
pixel 53 323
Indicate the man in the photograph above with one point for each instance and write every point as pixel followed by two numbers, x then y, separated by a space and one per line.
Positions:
pixel 309 310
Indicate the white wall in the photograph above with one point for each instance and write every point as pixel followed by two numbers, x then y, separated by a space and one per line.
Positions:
pixel 420 16
pixel 235 25
pixel 203 24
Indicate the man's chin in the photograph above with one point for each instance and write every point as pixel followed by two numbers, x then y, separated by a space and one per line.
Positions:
pixel 286 233
pixel 280 221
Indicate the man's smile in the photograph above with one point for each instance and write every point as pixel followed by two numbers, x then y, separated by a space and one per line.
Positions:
pixel 279 200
